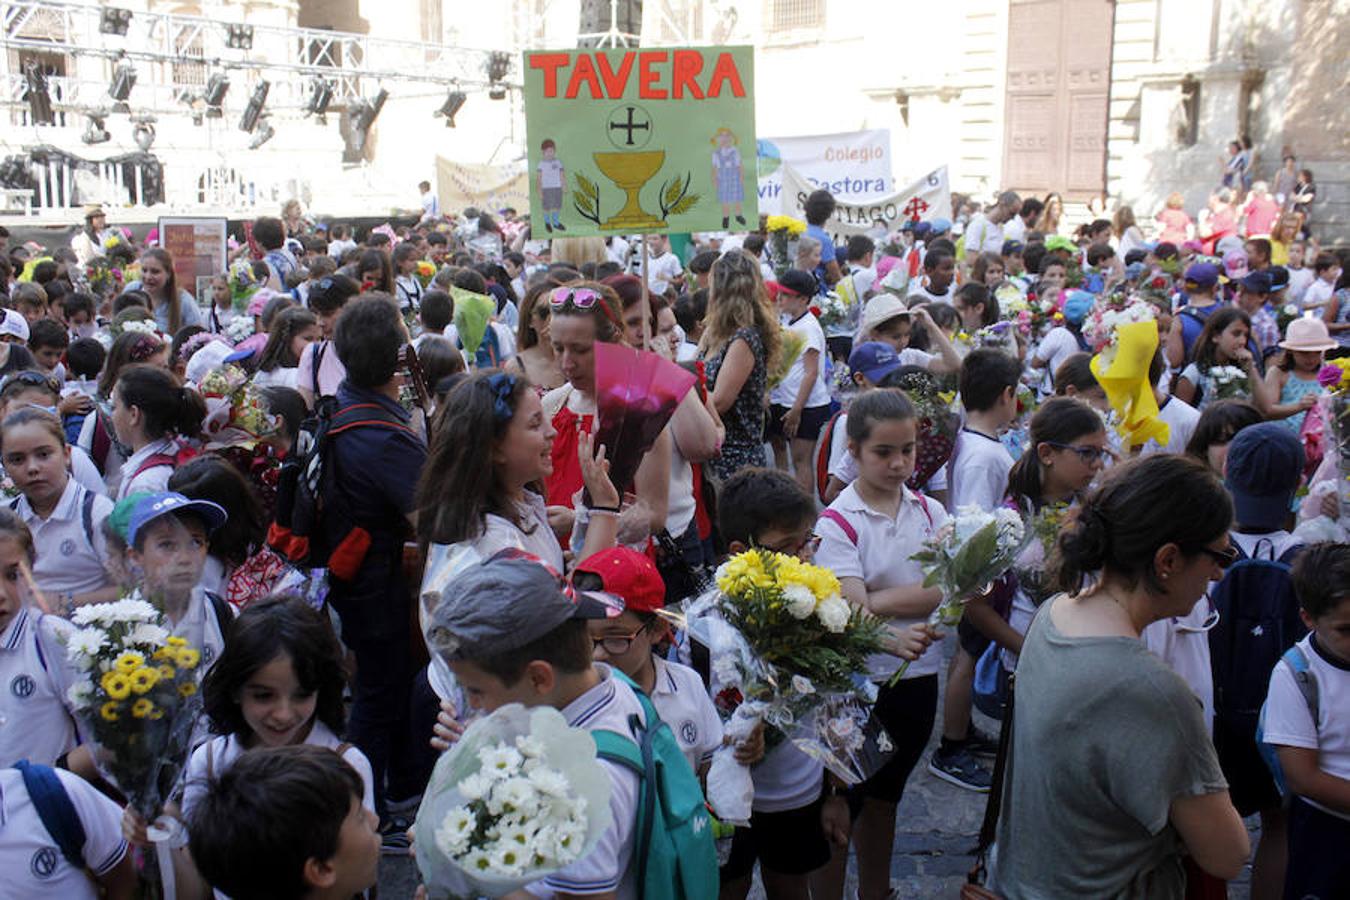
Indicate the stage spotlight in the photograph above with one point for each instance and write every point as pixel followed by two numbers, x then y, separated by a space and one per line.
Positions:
pixel 95 131
pixel 453 103
pixel 38 96
pixel 320 96
pixel 217 86
pixel 264 134
pixel 114 21
pixel 253 111
pixel 361 114
pixel 124 79
pixel 498 65
pixel 239 37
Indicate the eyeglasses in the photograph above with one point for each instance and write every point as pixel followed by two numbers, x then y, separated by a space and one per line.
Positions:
pixel 794 547
pixel 616 645
pixel 1222 558
pixel 1088 455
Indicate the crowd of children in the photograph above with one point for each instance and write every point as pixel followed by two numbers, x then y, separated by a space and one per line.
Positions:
pixel 151 441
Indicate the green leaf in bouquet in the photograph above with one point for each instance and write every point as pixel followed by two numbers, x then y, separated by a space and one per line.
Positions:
pixel 978 550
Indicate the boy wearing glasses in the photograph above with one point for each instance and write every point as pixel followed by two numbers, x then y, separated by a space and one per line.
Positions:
pixel 629 642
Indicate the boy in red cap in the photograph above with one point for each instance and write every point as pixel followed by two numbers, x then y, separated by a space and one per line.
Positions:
pixel 628 643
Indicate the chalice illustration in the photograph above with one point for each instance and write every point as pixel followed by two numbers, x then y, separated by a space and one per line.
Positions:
pixel 630 167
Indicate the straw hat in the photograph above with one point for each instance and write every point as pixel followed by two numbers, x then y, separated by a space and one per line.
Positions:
pixel 1309 335
pixel 881 308
pixel 93 210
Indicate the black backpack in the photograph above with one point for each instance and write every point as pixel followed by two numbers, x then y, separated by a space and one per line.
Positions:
pixel 312 526
pixel 1258 622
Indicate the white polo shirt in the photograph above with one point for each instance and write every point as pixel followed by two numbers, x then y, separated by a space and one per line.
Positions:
pixel 155 478
pixel 785 394
pixel 35 719
pixel 683 703
pixel 606 868
pixel 1289 721
pixel 881 558
pixel 211 759
pixel 1181 419
pixel 70 543
pixel 32 864
pixel 978 471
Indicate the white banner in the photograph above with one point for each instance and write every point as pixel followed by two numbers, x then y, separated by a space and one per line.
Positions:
pixel 853 166
pixel 927 198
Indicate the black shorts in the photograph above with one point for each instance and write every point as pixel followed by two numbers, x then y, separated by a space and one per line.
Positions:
pixel 786 843
pixel 813 420
pixel 1250 784
pixel 1318 864
pixel 907 712
pixel 972 639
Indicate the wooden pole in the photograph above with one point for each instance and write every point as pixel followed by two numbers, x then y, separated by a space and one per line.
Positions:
pixel 646 301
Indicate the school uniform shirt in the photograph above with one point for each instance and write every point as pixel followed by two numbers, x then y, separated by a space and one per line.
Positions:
pixel 1299 282
pixel 983 236
pixel 83 470
pixel 919 288
pixel 661 271
pixel 1317 292
pixel 785 394
pixel 608 867
pixel 155 478
pixel 500 533
pixel 1181 419
pixel 1183 643
pixel 683 703
pixel 1289 722
pixel 978 471
pixel 35 719
pixel 331 369
pixel 214 757
pixel 506 341
pixel 33 864
pixel 1058 345
pixel 71 550
pixel 281 376
pixel 408 292
pixel 881 558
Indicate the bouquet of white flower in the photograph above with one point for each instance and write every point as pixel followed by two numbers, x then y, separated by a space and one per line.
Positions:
pixel 1228 383
pixel 833 308
pixel 239 328
pixel 519 797
pixel 964 558
pixel 138 698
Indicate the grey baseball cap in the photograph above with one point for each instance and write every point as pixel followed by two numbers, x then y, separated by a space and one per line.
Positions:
pixel 508 601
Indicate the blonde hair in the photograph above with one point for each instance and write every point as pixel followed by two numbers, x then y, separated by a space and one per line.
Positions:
pixel 1175 200
pixel 806 245
pixel 577 251
pixel 725 130
pixel 737 299
pixel 1124 219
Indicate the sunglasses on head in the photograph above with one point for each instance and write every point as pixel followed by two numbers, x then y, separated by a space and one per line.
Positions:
pixel 581 298
pixel 32 379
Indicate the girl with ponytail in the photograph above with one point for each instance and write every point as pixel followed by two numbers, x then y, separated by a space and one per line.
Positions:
pixel 1102 726
pixel 155 417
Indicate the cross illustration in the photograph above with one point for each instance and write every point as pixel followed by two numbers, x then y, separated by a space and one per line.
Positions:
pixel 914 208
pixel 629 126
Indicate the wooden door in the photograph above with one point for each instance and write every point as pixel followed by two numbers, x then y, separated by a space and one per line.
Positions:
pixel 1059 77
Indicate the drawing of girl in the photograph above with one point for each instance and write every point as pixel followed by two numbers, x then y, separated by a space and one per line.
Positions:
pixel 728 175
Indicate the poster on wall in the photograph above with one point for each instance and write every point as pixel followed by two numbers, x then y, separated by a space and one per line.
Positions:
pixel 199 251
pixel 854 165
pixel 631 141
pixel 926 198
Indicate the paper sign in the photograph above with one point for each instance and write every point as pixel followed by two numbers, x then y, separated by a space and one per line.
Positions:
pixel 926 199
pixel 853 166
pixel 631 141
pixel 199 251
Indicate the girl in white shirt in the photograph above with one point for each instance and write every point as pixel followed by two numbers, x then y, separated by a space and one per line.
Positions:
pixel 153 415
pixel 292 331
pixel 868 535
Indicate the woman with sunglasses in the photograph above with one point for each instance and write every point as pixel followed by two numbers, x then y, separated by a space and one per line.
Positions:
pixel 741 344
pixel 534 357
pixel 581 314
pixel 1111 765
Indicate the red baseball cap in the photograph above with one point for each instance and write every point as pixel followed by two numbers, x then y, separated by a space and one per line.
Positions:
pixel 630 576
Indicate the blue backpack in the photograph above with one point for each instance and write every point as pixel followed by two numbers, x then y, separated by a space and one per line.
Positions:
pixel 1258 622
pixel 1306 681
pixel 55 809
pixel 674 851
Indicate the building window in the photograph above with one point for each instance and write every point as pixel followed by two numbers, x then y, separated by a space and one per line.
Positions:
pixel 1188 112
pixel 794 15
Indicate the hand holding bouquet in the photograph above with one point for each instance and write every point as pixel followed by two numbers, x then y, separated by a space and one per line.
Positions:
pixel 968 553
pixel 138 698
pixel 519 797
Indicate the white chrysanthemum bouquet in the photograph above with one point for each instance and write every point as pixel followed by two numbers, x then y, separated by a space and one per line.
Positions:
pixel 137 697
pixel 966 556
pixel 519 797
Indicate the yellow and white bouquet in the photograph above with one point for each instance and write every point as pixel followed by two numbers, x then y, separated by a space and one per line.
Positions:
pixel 137 698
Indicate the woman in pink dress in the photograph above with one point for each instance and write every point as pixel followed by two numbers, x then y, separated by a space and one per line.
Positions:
pixel 1175 225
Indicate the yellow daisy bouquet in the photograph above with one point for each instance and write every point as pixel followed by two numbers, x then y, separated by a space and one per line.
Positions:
pixel 137 698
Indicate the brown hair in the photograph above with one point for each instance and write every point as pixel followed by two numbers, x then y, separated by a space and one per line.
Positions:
pixel 165 259
pixel 737 299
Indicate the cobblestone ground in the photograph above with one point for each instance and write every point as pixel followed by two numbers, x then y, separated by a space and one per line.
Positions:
pixel 935 837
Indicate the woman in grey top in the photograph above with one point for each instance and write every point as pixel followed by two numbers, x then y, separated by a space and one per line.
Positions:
pixel 1112 777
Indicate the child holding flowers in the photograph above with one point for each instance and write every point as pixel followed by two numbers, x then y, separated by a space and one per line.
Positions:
pixel 868 535
pixel 1222 367
pixel 1294 380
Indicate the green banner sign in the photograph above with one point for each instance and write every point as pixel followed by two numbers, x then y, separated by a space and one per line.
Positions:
pixel 636 140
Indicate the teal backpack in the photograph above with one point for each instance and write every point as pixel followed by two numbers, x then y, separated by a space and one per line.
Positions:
pixel 674 850
pixel 1306 682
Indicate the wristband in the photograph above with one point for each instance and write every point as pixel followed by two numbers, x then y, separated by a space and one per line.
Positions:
pixel 614 510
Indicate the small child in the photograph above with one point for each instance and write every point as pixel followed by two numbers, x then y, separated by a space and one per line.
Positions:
pixel 286 822
pixel 1313 740
pixel 1326 273
pixel 1294 379
pixel 629 642
pixel 1181 418
pixel 30 300
pixel 84 362
pixel 868 365
pixel 33 390
pixel 47 341
pixel 799 406
pixel 222 305
pixel 78 312
pixel 435 314
pixel 978 471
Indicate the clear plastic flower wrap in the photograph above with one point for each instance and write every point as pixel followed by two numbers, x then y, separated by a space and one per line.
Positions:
pixel 519 797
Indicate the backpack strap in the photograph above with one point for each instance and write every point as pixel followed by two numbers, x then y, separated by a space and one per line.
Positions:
pixel 87 515
pixel 365 414
pixel 316 360
pixel 823 455
pixel 220 608
pixel 1304 679
pixel 923 504
pixel 55 809
pixel 14 504
pixel 153 461
pixel 210 761
pixel 845 526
